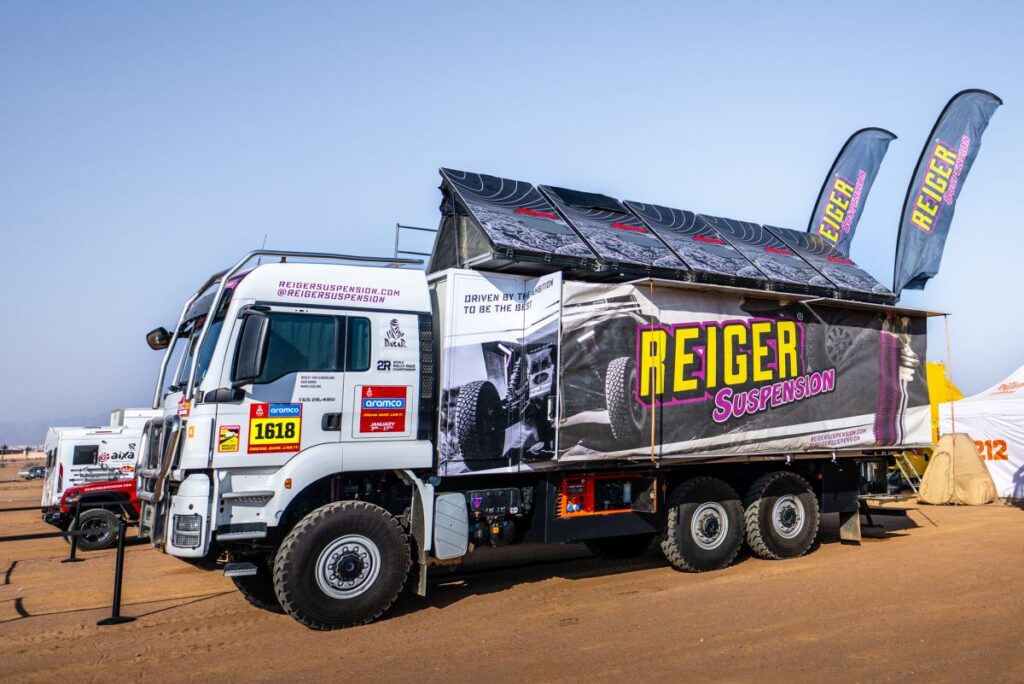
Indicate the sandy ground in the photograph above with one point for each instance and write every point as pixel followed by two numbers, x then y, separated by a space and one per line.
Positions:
pixel 934 596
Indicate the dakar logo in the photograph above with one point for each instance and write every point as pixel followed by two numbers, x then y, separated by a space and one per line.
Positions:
pixel 394 338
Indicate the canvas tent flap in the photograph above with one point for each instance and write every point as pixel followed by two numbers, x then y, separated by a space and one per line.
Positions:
pixel 706 253
pixel 849 278
pixel 771 255
pixel 956 474
pixel 499 224
pixel 502 221
pixel 614 234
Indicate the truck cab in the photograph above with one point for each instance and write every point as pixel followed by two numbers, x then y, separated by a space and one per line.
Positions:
pixel 294 378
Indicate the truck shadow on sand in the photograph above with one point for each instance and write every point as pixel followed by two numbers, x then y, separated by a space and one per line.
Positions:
pixel 494 570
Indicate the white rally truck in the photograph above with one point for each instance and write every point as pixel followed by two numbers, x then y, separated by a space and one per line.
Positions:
pixel 94 467
pixel 332 426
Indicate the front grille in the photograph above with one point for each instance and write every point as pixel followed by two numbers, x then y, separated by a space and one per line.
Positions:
pixel 149 453
pixel 158 452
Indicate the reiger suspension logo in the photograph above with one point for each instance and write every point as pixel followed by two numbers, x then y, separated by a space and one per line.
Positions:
pixel 743 367
pixel 938 187
pixel 841 209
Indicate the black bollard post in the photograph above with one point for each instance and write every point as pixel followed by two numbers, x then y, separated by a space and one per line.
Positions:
pixel 115 610
pixel 72 558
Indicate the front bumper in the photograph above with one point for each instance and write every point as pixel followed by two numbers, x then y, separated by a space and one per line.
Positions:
pixel 179 524
pixel 54 516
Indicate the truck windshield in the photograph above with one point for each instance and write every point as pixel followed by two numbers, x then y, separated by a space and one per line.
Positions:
pixel 192 329
pixel 205 355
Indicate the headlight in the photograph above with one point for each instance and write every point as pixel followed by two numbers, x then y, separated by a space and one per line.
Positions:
pixel 186 531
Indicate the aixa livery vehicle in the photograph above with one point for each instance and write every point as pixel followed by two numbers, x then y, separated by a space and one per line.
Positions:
pixel 94 467
pixel 333 425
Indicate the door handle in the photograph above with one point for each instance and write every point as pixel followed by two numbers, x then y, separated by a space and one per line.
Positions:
pixel 331 422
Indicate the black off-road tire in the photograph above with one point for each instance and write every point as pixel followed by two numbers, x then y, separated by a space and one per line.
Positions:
pixel 615 548
pixel 298 563
pixel 104 523
pixel 798 512
pixel 258 589
pixel 681 548
pixel 480 421
pixel 627 418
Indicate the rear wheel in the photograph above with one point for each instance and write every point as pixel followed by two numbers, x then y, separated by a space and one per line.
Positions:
pixel 343 565
pixel 704 526
pixel 479 423
pixel 98 529
pixel 619 547
pixel 781 516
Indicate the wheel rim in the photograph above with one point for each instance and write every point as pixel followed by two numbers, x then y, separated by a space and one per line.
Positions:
pixel 348 566
pixel 709 526
pixel 94 530
pixel 788 516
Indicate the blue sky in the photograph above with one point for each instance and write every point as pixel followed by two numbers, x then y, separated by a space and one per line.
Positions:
pixel 145 146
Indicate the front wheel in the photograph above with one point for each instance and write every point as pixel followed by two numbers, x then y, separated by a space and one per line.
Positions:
pixel 343 565
pixel 98 530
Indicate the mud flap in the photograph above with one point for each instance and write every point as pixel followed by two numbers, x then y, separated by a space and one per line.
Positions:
pixel 849 527
pixel 417 527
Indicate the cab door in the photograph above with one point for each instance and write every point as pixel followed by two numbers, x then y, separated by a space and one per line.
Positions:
pixel 381 385
pixel 296 401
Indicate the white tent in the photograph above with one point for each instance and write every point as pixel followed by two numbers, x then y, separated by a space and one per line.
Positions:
pixel 995 421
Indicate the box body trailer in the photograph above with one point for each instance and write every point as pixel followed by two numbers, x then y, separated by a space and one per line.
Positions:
pixel 334 428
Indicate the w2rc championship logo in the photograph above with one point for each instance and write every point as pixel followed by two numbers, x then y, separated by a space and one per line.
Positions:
pixel 394 338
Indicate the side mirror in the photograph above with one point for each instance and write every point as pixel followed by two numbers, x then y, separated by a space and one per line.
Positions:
pixel 158 338
pixel 252 349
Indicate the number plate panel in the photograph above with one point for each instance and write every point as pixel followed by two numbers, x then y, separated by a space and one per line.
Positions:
pixel 274 427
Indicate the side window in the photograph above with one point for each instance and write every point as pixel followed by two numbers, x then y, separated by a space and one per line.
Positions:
pixel 357 352
pixel 300 343
pixel 85 455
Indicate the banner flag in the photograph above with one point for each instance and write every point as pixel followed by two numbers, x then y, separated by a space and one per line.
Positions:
pixel 931 197
pixel 846 187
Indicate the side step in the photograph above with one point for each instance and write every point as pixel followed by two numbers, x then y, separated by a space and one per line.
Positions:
pixel 242 531
pixel 260 496
pixel 240 570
